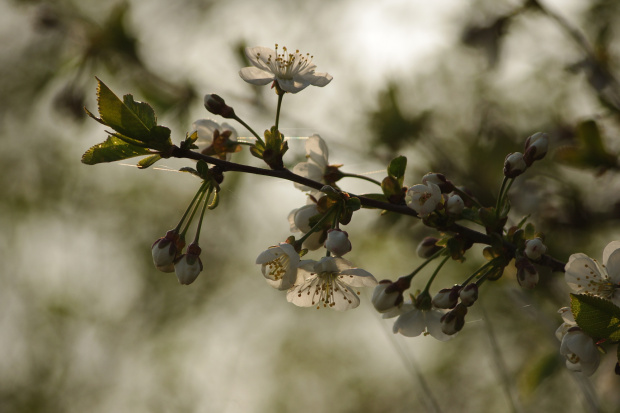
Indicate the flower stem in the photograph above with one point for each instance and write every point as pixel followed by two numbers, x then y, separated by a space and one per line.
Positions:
pixel 280 96
pixel 202 214
pixel 475 274
pixel 345 175
pixel 238 119
pixel 429 259
pixel 203 189
pixel 430 281
pixel 189 207
pixel 500 196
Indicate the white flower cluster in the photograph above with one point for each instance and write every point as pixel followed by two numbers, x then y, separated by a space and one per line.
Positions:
pixel 585 275
pixel 331 281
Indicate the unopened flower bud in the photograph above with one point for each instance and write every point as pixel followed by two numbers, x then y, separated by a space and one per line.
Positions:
pixel 189 265
pixel 440 180
pixel 536 147
pixel 455 205
pixel 469 294
pixel 388 295
pixel 534 248
pixel 527 276
pixel 216 105
pixel 427 247
pixel 164 251
pixel 514 165
pixel 453 321
pixel 447 297
pixel 337 242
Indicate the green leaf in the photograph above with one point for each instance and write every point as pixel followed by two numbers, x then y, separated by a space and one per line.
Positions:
pixel 135 120
pixel 113 149
pixel 148 161
pixel 397 168
pixel 597 317
pixel 203 169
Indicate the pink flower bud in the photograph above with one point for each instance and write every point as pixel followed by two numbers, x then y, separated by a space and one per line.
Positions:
pixel 427 247
pixel 447 297
pixel 469 294
pixel 440 180
pixel 534 248
pixel 337 242
pixel 189 265
pixel 388 295
pixel 536 147
pixel 164 251
pixel 527 276
pixel 453 321
pixel 216 105
pixel 514 165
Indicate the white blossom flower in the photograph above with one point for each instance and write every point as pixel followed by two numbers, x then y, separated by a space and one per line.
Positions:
pixel 423 198
pixel 579 349
pixel 293 71
pixel 299 221
pixel 330 283
pixel 585 275
pixel 316 164
pixel 215 138
pixel 279 265
pixel 412 322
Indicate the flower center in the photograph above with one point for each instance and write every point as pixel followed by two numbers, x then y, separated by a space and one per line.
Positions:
pixel 424 197
pixel 276 268
pixel 286 65
pixel 325 288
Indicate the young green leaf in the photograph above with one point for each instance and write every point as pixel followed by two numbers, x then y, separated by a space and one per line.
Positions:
pixel 597 317
pixel 113 149
pixel 148 161
pixel 397 168
pixel 135 120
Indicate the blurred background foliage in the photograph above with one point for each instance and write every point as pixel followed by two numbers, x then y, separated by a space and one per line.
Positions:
pixel 89 325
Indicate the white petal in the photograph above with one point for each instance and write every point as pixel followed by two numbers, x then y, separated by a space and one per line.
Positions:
pixel 611 259
pixel 306 294
pixel 316 150
pixel 344 298
pixel 433 325
pixel 256 76
pixel 307 170
pixel 357 277
pixel 292 86
pixel 259 56
pixel 410 324
pixel 581 270
pixel 320 79
pixel 205 129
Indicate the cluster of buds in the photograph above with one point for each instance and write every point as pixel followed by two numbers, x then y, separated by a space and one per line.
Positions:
pixel 434 193
pixel 448 298
pixel 167 257
pixel 536 147
pixel 527 275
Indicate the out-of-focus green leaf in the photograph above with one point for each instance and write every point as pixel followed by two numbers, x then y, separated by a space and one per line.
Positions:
pixel 597 317
pixel 113 149
pixel 591 153
pixel 538 370
pixel 397 167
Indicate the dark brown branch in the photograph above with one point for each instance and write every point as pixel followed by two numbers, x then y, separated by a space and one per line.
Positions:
pixel 226 166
